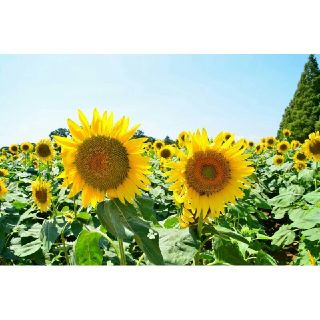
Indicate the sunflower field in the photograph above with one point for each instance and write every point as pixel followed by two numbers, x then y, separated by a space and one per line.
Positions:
pixel 102 196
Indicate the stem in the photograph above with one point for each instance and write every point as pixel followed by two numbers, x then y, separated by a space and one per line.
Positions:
pixel 315 178
pixel 64 247
pixel 74 207
pixel 122 255
pixel 199 230
pixel 200 225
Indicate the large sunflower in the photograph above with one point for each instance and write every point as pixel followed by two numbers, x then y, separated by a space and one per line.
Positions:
pixel 44 150
pixel 209 175
pixel 101 159
pixel 3 189
pixel 311 146
pixel 41 194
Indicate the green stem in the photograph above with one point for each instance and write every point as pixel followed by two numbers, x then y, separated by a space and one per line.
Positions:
pixel 200 225
pixel 74 207
pixel 122 255
pixel 64 247
pixel 315 174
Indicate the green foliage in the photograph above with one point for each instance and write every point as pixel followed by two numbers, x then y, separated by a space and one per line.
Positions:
pixel 302 115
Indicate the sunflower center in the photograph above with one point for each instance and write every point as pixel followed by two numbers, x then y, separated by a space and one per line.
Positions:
pixel 207 172
pixel 279 160
pixel 44 150
pixel 165 153
pixel 102 162
pixel 25 147
pixel 301 156
pixel 315 147
pixel 283 147
pixel 227 136
pixel 270 141
pixel 1 173
pixel 14 148
pixel 158 145
pixel 42 195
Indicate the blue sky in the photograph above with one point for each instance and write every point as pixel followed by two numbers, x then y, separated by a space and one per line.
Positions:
pixel 166 94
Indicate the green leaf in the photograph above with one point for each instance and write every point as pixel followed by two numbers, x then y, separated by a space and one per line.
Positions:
pixel 308 219
pixel 87 249
pixel 19 204
pixel 146 208
pixel 33 232
pixel 283 237
pixel 51 230
pixel 312 234
pixel 116 216
pixel 264 258
pixel 287 197
pixel 224 233
pixel 84 216
pixel 109 217
pixel 178 247
pixel 171 222
pixel 228 251
pixel 27 249
pixel 312 197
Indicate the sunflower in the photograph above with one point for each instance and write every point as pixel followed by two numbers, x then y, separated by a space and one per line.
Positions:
pixel 263 140
pixel 300 165
pixel 311 146
pixel 101 159
pixel 26 147
pixel 295 144
pixel 244 143
pixel 183 138
pixel 3 189
pixel 166 153
pixel 283 146
pixel 158 144
pixel 300 156
pixel 259 148
pixel 4 172
pixel 44 150
pixel 270 141
pixel 41 194
pixel 286 132
pixel 14 148
pixel 250 144
pixel 278 159
pixel 227 135
pixel 210 175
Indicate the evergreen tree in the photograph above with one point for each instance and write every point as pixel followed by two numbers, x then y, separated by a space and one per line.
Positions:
pixel 302 115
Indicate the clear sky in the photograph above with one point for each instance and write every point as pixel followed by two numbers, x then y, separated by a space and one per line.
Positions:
pixel 166 94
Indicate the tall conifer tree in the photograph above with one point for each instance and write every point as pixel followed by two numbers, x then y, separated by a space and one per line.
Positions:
pixel 302 115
